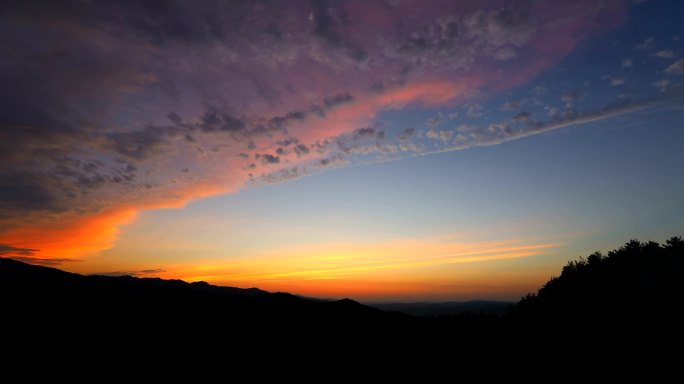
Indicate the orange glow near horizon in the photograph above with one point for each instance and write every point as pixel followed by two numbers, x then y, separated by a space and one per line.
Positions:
pixel 376 270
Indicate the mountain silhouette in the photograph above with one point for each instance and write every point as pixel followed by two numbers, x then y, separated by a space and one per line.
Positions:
pixel 605 318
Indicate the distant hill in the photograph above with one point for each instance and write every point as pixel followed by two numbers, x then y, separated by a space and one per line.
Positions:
pixel 26 285
pixel 605 318
pixel 15 273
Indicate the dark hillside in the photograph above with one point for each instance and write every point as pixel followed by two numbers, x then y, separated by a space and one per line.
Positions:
pixel 606 318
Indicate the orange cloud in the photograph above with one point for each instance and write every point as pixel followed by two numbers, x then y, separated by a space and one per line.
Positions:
pixel 74 237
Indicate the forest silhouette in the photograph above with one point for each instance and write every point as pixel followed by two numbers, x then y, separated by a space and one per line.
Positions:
pixel 605 318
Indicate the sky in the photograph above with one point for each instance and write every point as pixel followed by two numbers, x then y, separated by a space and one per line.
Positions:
pixel 390 150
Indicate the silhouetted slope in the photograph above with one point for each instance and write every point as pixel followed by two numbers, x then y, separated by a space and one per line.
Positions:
pixel 15 274
pixel 634 276
pixel 613 318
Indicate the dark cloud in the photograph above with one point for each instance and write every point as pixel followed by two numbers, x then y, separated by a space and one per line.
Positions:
pixel 175 118
pixel 141 273
pixel 522 117
pixel 155 22
pixel 287 142
pixel 21 192
pixel 406 134
pixel 269 159
pixel 89 182
pixel 335 100
pixel 453 40
pixel 329 23
pixel 52 262
pixel 282 175
pixel 142 144
pixel 6 249
pixel 291 173
pixel 301 150
pixel 367 132
pixel 280 122
pixel 435 120
pixel 214 121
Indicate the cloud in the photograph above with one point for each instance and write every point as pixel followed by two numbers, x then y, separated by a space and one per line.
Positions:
pixel 141 273
pixel 647 44
pixel 435 120
pixel 662 84
pixel 627 63
pixel 474 110
pixel 47 262
pixel 215 121
pixel 617 81
pixel 500 133
pixel 338 99
pixel 443 135
pixel 677 68
pixel 665 54
pixel 504 54
pixel 268 159
pixel 570 98
pixel 511 105
pixel 10 250
pixel 406 134
pixel 522 117
pixel 109 108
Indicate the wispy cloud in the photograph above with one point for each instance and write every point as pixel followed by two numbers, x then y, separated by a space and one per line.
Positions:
pixel 140 273
pixel 665 54
pixel 47 262
pixel 648 43
pixel 347 260
pixel 677 68
pixel 10 250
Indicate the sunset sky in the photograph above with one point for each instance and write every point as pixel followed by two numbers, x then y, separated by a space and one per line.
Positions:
pixel 394 150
